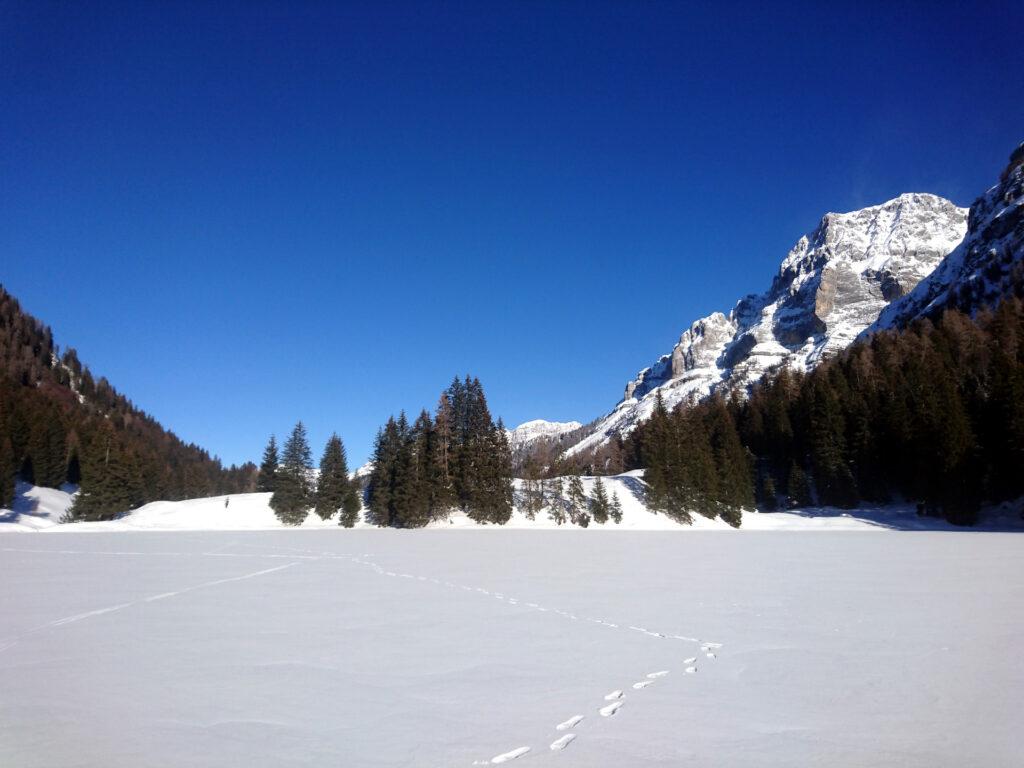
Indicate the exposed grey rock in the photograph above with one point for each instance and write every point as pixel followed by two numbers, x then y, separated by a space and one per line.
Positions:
pixel 830 287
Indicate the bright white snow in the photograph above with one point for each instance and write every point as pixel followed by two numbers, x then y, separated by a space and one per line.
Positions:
pixel 454 648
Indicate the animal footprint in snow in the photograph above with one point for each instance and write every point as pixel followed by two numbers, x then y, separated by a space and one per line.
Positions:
pixel 506 756
pixel 611 709
pixel 690 660
pixel 690 670
pixel 613 696
pixel 642 684
pixel 563 742
pixel 656 675
pixel 572 722
pixel 710 655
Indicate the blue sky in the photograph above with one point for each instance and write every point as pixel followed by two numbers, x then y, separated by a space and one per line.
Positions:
pixel 244 215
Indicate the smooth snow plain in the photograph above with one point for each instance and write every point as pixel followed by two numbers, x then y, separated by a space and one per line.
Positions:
pixel 439 648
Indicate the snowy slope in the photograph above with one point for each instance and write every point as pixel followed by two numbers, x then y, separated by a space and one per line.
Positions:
pixel 531 434
pixel 252 512
pixel 35 508
pixel 830 287
pixel 984 267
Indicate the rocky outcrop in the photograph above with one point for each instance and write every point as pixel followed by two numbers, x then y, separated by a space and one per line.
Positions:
pixel 830 287
pixel 986 266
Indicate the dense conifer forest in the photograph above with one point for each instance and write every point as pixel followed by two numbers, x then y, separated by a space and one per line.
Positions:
pixel 933 414
pixel 59 424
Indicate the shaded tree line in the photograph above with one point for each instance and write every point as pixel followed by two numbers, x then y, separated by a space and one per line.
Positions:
pixel 458 458
pixel 59 424
pixel 932 414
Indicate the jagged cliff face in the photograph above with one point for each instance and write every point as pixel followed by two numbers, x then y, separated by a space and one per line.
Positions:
pixel 986 266
pixel 831 287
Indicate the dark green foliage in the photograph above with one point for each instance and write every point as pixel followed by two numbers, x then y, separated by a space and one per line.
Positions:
pixel 932 414
pixel 600 507
pixel 293 492
pixel 768 495
pixel 52 411
pixel 554 491
pixel 577 502
pixel 798 488
pixel 335 491
pixel 111 479
pixel 615 510
pixel 268 467
pixel 6 472
pixel 462 458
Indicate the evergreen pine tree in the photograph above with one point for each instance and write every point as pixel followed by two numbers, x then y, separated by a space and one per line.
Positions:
pixel 333 486
pixel 556 501
pixel 600 507
pixel 798 487
pixel 577 501
pixel 268 467
pixel 615 510
pixel 292 487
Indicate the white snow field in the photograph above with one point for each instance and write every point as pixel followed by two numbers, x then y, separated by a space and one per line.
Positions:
pixel 446 648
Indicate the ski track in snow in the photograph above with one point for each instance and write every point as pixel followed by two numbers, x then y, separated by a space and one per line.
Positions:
pixel 616 697
pixel 7 643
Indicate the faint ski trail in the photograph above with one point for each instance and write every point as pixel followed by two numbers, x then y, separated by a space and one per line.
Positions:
pixel 8 642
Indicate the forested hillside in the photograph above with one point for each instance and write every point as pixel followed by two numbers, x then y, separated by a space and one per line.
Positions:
pixel 60 424
pixel 933 414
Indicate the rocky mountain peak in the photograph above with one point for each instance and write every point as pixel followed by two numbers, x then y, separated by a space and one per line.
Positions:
pixel 831 285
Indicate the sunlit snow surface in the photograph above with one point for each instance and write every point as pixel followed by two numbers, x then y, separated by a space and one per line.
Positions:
pixel 453 648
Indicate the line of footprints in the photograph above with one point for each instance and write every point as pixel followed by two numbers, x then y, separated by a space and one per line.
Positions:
pixel 615 699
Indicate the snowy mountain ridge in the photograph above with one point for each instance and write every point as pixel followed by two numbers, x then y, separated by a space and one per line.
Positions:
pixel 529 432
pixel 984 267
pixel 831 286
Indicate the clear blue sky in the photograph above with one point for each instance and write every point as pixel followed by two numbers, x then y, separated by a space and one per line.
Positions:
pixel 244 215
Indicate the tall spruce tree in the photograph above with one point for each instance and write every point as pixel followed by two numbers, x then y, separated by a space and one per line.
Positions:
pixel 111 481
pixel 555 494
pixel 268 467
pixel 292 487
pixel 600 507
pixel 615 510
pixel 577 502
pixel 333 487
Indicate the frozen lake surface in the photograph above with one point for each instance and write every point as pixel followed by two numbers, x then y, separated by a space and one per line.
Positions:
pixel 450 648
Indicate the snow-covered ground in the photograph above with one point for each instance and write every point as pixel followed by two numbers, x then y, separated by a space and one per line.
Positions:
pixel 454 648
pixel 40 509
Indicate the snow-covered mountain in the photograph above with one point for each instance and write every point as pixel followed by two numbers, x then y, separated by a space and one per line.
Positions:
pixel 830 287
pixel 984 267
pixel 530 432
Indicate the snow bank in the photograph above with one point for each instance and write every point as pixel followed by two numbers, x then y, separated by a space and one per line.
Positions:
pixel 36 508
pixel 40 509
